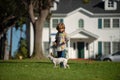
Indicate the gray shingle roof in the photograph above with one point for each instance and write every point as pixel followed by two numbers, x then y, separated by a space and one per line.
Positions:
pixel 94 6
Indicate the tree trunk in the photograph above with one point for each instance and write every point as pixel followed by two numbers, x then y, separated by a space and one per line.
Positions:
pixel 6 52
pixel 38 53
pixel 38 30
pixel 11 36
pixel 38 25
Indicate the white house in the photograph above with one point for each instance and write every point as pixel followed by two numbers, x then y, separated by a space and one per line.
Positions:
pixel 93 28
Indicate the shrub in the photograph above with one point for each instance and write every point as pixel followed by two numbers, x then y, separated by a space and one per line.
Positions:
pixel 22 50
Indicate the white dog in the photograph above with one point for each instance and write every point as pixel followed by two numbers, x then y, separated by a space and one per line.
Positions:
pixel 57 61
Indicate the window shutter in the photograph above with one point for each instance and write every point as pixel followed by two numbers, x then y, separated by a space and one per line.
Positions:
pixel 99 23
pixel 99 48
pixel 61 20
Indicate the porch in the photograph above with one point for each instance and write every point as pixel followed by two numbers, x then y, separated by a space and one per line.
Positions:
pixel 81 44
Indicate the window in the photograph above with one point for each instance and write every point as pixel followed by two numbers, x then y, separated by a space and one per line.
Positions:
pixel 110 3
pixel 107 48
pixel 116 46
pixel 106 23
pixel 81 23
pixel 56 21
pixel 46 46
pixel 46 24
pixel 116 23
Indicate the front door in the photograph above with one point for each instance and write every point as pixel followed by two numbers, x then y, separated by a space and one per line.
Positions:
pixel 80 48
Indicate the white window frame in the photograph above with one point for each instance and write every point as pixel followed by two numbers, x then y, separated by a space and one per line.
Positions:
pixel 110 4
pixel 109 23
pixel 79 24
pixel 115 48
pixel 118 23
pixel 104 47
pixel 59 20
pixel 46 24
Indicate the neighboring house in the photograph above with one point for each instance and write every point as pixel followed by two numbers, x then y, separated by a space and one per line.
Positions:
pixel 93 28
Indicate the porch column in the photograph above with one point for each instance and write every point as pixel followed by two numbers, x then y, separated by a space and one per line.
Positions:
pixel 68 55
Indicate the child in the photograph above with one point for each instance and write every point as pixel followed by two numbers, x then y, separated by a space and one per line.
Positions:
pixel 60 40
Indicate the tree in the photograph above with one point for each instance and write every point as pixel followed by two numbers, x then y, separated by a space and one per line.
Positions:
pixel 39 9
pixel 86 1
pixel 22 50
pixel 12 13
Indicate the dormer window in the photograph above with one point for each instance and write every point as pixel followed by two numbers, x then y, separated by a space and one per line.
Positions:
pixel 54 7
pixel 110 5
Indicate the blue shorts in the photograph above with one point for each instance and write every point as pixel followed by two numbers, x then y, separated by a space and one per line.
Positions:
pixel 61 53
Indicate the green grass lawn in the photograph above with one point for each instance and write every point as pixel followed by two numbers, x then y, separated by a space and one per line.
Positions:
pixel 43 70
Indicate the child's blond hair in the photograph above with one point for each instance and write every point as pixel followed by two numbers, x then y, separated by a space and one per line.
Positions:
pixel 60 25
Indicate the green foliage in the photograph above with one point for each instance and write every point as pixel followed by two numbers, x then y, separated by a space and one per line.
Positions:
pixel 86 1
pixel 20 22
pixel 22 50
pixel 12 13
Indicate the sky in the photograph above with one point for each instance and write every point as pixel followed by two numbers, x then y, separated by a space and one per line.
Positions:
pixel 16 38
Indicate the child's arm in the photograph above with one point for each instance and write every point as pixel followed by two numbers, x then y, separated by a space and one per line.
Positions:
pixel 66 38
pixel 55 42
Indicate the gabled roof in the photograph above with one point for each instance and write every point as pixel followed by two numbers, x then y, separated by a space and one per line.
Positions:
pixel 84 33
pixel 94 6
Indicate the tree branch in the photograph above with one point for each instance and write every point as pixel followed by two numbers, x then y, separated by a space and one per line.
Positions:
pixel 31 12
pixel 8 18
pixel 25 3
pixel 6 29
